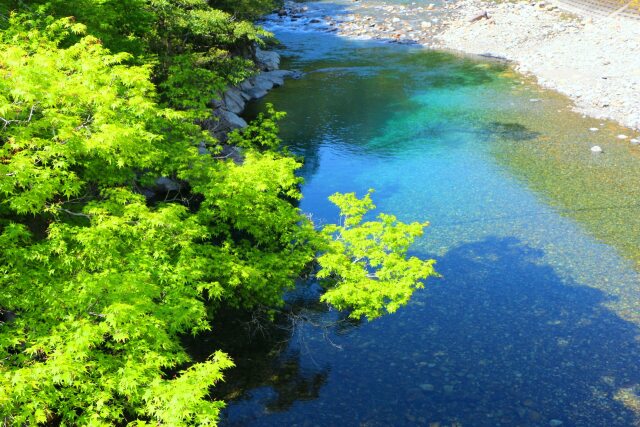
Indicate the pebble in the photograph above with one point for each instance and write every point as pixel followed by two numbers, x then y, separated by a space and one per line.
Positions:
pixel 635 141
pixel 596 149
pixel 555 423
pixel 427 387
pixel 594 129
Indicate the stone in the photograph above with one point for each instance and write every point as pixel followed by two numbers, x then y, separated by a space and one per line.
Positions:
pixel 228 121
pixel 167 184
pixel 481 15
pixel 622 136
pixel 635 141
pixel 245 85
pixel 596 149
pixel 555 423
pixel 267 60
pixel 202 148
pixel 234 101
pixel 256 93
pixel 427 387
pixel 594 129
pixel 277 76
pixel 261 85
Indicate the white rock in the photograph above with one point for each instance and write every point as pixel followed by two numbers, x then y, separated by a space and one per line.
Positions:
pixel 596 149
pixel 622 136
pixel 594 129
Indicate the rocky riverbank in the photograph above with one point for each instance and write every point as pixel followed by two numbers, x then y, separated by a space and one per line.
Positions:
pixel 227 109
pixel 229 105
pixel 595 63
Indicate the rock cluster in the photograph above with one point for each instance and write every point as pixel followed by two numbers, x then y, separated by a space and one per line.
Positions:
pixel 594 61
pixel 228 105
pixel 405 24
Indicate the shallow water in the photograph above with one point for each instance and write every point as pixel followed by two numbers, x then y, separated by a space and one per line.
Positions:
pixel 536 316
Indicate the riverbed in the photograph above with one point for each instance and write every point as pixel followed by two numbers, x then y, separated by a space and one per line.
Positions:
pixel 534 321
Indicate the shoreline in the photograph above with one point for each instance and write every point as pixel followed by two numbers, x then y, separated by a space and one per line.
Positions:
pixel 595 63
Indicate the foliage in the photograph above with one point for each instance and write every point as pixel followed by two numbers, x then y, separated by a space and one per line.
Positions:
pixel 98 282
pixel 367 261
pixel 246 9
pixel 192 46
pixel 262 133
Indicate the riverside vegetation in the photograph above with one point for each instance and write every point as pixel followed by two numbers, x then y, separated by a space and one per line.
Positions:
pixel 102 269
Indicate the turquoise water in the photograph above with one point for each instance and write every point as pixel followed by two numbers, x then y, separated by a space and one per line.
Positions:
pixel 535 319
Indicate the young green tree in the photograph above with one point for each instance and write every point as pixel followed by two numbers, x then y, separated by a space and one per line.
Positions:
pixel 367 262
pixel 98 282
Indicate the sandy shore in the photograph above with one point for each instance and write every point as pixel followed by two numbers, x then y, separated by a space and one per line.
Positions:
pixel 596 62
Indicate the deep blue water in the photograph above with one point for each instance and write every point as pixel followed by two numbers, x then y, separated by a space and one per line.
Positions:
pixel 534 319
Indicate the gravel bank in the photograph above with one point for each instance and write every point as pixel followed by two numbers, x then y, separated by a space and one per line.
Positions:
pixel 594 62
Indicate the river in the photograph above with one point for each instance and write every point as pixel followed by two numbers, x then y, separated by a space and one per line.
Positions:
pixel 535 319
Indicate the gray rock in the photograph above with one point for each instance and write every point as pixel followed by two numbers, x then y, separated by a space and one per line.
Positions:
pixel 262 83
pixel 228 121
pixel 281 73
pixel 7 316
pixel 167 184
pixel 216 103
pixel 202 149
pixel 256 93
pixel 234 100
pixel 267 60
pixel 276 77
pixel 245 85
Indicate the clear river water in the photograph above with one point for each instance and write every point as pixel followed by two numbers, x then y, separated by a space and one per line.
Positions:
pixel 535 319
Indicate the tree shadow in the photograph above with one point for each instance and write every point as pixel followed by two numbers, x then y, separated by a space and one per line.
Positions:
pixel 505 340
pixel 502 340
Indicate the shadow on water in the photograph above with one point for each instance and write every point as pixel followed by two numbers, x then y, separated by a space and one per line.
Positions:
pixel 263 357
pixel 501 340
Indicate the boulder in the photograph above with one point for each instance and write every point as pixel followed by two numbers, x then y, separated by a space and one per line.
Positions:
pixel 267 60
pixel 262 83
pixel 257 92
pixel 165 184
pixel 234 100
pixel 245 85
pixel 7 316
pixel 228 121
